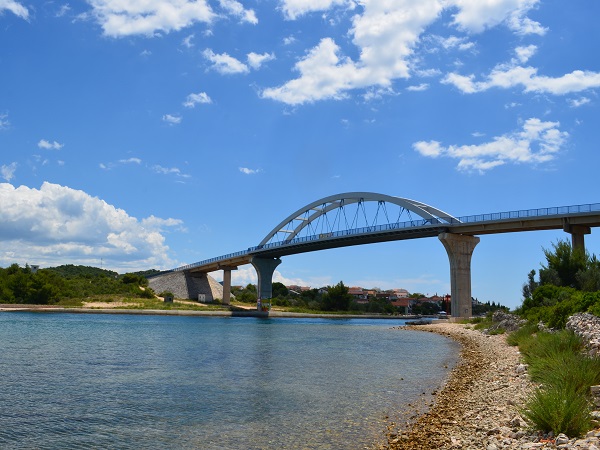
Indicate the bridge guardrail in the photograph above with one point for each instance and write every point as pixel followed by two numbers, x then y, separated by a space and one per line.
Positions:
pixel 477 218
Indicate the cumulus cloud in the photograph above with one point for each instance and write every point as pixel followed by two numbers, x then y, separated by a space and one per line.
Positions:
pixel 537 142
pixel 14 7
pixel 524 53
pixel 225 64
pixel 47 145
pixel 386 35
pixel 132 17
pixel 236 9
pixel 477 15
pixel 194 99
pixel 59 225
pixel 526 77
pixel 256 60
pixel 8 171
pixel 293 9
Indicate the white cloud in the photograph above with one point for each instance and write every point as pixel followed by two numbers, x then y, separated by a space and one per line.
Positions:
pixel 4 123
pixel 120 18
pixel 418 88
pixel 194 99
pixel 454 42
pixel 187 41
pixel 289 40
pixel 577 102
pixel 59 225
pixel 524 53
pixel 293 9
pixel 527 77
pixel 169 171
pixel 477 15
pixel 225 64
pixel 386 34
pixel 14 7
pixel 130 161
pixel 248 171
pixel 8 171
pixel 237 9
pixel 63 10
pixel 47 145
pixel 537 142
pixel 171 119
pixel 255 60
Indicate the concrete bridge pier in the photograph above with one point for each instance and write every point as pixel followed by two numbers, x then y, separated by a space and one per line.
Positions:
pixel 264 269
pixel 227 283
pixel 460 249
pixel 577 233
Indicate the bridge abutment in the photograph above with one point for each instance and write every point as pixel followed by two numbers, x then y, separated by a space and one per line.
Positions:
pixel 264 269
pixel 460 249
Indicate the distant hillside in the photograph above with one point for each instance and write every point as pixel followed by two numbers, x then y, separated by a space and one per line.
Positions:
pixel 71 271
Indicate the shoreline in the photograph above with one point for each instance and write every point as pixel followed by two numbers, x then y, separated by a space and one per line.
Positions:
pixel 478 406
pixel 189 312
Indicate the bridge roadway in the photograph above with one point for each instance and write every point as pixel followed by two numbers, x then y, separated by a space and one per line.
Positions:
pixel 457 234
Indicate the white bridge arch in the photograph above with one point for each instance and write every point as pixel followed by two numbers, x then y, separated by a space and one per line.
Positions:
pixel 329 214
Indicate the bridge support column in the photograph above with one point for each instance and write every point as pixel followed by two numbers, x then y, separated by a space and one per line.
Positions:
pixel 227 284
pixel 264 269
pixel 577 233
pixel 460 249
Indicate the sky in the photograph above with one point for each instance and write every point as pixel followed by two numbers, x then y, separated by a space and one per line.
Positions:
pixel 149 134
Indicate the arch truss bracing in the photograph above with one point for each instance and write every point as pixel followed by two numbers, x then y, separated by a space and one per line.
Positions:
pixel 366 211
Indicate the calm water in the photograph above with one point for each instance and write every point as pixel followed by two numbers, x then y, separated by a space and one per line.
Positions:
pixel 153 382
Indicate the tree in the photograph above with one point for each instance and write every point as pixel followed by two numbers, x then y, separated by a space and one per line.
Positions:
pixel 530 286
pixel 563 263
pixel 337 298
pixel 279 290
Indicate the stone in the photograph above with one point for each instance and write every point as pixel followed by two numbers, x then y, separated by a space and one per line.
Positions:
pixel 562 439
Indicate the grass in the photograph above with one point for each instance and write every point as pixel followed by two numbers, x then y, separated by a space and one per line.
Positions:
pixel 562 403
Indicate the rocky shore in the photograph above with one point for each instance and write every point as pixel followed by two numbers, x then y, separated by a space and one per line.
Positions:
pixel 478 408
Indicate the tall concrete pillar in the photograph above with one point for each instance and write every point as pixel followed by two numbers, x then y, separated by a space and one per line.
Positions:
pixel 264 269
pixel 460 249
pixel 227 284
pixel 578 233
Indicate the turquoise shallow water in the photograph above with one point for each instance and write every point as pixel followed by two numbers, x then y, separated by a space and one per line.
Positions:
pixel 153 382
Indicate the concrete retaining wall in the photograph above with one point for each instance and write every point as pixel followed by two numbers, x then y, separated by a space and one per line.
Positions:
pixel 187 285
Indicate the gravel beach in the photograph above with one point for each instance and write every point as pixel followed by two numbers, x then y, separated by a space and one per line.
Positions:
pixel 478 406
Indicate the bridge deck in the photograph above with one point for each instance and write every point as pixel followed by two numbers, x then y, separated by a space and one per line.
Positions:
pixel 506 222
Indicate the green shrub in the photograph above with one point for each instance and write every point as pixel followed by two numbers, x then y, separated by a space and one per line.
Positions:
pixel 558 409
pixel 522 334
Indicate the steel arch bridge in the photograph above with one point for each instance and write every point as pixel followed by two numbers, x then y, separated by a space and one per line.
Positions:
pixel 356 218
pixel 365 211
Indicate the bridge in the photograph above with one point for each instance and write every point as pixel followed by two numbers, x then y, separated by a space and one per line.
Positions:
pixel 357 218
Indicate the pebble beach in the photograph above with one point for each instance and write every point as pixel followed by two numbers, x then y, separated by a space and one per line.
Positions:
pixel 478 408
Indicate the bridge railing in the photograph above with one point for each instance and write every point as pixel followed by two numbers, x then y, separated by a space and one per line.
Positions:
pixel 525 213
pixel 212 260
pixel 477 218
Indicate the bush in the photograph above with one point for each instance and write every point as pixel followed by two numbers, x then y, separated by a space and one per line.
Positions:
pixel 556 361
pixel 559 409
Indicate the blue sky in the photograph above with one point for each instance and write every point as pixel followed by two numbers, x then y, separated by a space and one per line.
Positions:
pixel 150 134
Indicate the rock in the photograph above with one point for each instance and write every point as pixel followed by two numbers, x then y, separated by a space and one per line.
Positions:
pixel 521 368
pixel 562 439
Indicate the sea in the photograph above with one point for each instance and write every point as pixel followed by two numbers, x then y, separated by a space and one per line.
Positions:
pixel 122 381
